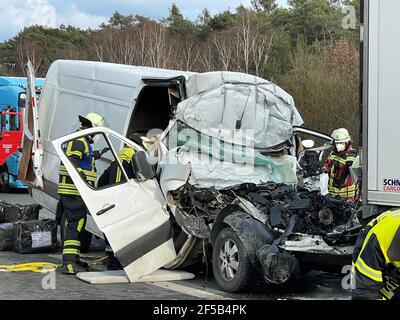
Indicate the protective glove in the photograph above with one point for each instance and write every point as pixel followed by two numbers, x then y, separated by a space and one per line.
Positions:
pixel 98 153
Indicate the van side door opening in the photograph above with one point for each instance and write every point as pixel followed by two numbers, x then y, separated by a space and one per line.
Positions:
pixel 156 104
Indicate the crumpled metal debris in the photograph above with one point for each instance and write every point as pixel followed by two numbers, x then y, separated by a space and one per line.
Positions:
pixel 286 209
pixel 278 265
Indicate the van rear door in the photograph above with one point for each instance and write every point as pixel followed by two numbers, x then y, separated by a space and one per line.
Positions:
pixel 129 212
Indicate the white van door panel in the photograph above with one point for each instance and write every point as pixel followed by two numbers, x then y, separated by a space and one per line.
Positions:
pixel 130 214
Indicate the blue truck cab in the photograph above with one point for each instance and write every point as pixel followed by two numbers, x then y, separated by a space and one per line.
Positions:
pixel 12 99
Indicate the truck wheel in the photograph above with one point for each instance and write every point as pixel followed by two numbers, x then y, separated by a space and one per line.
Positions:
pixel 86 238
pixel 4 179
pixel 232 268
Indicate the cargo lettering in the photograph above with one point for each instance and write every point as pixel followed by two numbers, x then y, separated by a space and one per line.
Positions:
pixel 391 185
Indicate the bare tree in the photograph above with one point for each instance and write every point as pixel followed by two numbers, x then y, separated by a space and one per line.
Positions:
pixel 117 46
pixel 247 34
pixel 27 50
pixel 224 45
pixel 186 54
pixel 206 57
pixel 261 51
pixel 158 50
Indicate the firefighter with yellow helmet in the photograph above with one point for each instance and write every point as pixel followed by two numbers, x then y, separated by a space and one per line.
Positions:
pixel 338 166
pixel 82 156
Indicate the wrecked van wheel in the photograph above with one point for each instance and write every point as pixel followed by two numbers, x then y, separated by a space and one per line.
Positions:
pixel 232 268
pixel 86 237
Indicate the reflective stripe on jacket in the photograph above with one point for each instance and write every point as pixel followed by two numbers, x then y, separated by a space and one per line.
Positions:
pixel 126 159
pixel 378 246
pixel 113 173
pixel 80 153
pixel 340 180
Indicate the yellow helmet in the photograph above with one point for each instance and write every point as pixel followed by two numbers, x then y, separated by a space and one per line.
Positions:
pixel 92 120
pixel 341 135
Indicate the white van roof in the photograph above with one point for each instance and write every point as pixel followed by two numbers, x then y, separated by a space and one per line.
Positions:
pixel 73 87
pixel 69 74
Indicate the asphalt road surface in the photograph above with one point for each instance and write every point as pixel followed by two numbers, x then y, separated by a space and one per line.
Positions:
pixel 28 285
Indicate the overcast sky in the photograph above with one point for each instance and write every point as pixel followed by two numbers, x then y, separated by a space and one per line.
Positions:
pixel 17 14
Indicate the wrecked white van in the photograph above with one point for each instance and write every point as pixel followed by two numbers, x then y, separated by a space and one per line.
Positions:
pixel 226 184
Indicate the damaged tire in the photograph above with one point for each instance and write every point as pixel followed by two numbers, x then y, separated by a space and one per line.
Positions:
pixel 232 268
pixel 86 238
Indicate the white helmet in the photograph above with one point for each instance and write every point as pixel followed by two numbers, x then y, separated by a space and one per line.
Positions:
pixel 341 135
pixel 92 120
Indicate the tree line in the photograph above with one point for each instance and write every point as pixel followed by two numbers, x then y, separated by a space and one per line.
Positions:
pixel 305 48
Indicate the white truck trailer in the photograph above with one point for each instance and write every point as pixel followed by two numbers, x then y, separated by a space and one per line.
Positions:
pixel 380 105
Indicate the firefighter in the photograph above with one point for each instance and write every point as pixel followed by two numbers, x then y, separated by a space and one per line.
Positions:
pixel 113 175
pixel 82 156
pixel 338 167
pixel 376 259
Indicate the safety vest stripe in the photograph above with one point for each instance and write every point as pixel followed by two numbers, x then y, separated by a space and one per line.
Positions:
pixel 342 190
pixel 124 158
pixel 85 143
pixel 352 186
pixel 342 193
pixel 118 176
pixel 69 147
pixel 71 251
pixel 72 243
pixel 64 171
pixel 80 224
pixel 90 173
pixel 67 186
pixel 68 192
pixel 338 159
pixel 368 271
pixel 74 153
pixel 386 294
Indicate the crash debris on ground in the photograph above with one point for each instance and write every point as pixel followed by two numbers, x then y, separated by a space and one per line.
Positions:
pixel 22 232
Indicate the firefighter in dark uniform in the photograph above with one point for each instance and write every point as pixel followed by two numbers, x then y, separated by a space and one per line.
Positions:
pixel 376 259
pixel 82 156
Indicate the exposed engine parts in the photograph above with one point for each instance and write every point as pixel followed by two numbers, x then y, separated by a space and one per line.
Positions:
pixel 292 221
pixel 283 207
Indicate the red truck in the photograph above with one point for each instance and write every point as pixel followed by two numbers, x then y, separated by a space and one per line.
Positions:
pixel 11 133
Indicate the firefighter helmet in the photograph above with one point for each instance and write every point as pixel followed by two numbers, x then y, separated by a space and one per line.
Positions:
pixel 92 120
pixel 341 135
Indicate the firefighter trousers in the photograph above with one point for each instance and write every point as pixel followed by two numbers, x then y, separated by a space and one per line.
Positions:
pixel 76 214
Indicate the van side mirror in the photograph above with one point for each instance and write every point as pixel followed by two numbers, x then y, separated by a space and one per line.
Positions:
pixel 141 166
